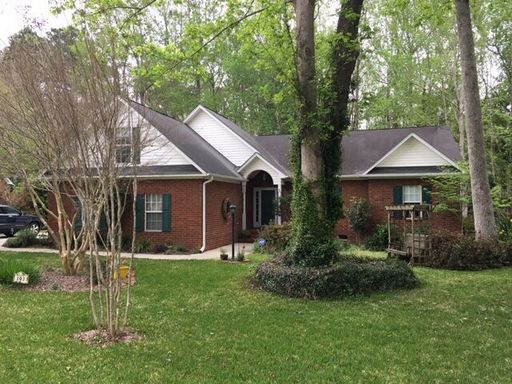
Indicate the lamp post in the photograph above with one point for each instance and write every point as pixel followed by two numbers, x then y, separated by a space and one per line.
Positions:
pixel 232 209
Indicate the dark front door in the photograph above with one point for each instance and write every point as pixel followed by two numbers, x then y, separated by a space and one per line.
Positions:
pixel 267 206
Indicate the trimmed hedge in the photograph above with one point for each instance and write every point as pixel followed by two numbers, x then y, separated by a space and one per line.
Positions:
pixel 349 276
pixel 465 253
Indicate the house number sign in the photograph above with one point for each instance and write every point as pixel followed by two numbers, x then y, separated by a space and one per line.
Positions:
pixel 20 278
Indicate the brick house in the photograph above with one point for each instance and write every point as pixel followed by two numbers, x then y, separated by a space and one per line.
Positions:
pixel 191 171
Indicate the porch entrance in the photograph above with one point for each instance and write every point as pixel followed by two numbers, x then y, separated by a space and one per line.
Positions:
pixel 264 210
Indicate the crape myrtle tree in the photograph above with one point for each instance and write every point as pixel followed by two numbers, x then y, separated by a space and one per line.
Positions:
pixel 61 119
pixel 323 117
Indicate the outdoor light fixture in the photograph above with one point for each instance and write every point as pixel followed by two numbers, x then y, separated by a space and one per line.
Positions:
pixel 232 209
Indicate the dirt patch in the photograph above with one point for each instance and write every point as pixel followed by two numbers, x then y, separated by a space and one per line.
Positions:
pixel 52 280
pixel 100 338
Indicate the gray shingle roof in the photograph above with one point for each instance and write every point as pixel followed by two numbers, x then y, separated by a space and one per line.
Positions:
pixel 363 148
pixel 189 142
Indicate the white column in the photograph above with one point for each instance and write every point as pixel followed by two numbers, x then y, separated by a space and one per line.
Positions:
pixel 279 185
pixel 244 205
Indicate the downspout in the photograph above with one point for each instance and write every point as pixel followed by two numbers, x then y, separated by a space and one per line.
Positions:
pixel 203 247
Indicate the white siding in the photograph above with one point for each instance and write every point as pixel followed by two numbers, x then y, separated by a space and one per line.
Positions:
pixel 158 150
pixel 257 164
pixel 413 153
pixel 221 138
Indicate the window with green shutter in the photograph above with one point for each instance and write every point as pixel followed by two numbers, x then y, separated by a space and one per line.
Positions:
pixel 153 213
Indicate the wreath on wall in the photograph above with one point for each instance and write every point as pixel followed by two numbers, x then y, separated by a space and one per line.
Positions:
pixel 226 203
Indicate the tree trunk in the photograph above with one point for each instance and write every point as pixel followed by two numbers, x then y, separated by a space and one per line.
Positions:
pixel 311 156
pixel 485 224
pixel 316 153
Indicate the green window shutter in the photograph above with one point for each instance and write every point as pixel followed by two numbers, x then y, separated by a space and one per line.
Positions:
pixel 398 195
pixel 426 194
pixel 166 212
pixel 139 213
pixel 78 218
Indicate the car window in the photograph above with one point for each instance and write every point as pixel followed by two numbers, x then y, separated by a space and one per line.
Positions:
pixel 11 211
pixel 2 210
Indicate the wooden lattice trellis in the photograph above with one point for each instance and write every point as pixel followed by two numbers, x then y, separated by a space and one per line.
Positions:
pixel 409 232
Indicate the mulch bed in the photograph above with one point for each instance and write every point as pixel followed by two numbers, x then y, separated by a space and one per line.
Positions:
pixel 52 280
pixel 100 338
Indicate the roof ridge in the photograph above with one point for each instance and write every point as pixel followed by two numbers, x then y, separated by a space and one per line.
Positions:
pixel 395 128
pixel 154 110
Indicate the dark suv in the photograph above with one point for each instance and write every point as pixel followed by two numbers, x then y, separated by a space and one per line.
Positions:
pixel 12 220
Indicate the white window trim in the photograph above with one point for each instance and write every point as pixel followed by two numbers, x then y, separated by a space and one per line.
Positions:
pixel 412 202
pixel 146 212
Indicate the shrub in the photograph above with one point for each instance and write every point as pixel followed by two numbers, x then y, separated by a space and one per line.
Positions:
pixel 465 253
pixel 378 240
pixel 358 215
pixel 347 277
pixel 240 256
pixel 176 249
pixel 8 267
pixel 277 237
pixel 143 246
pixel 159 248
pixel 23 239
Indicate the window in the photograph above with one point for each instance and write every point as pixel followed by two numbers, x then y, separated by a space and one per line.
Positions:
pixel 412 194
pixel 154 212
pixel 127 139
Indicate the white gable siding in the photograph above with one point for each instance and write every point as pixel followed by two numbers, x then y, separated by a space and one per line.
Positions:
pixel 413 153
pixel 256 164
pixel 156 149
pixel 221 138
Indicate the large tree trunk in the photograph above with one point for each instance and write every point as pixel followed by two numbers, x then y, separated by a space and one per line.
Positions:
pixel 311 156
pixel 316 150
pixel 485 224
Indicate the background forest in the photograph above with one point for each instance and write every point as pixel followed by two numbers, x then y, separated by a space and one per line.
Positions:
pixel 238 58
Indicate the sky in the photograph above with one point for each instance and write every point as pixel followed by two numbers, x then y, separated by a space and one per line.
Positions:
pixel 15 14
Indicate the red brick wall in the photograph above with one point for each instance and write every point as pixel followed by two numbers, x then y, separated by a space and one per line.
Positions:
pixel 186 212
pixel 218 229
pixel 379 193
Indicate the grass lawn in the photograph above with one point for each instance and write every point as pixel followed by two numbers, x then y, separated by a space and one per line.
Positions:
pixel 202 324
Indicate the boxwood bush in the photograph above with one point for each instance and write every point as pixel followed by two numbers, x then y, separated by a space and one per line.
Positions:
pixel 348 276
pixel 465 253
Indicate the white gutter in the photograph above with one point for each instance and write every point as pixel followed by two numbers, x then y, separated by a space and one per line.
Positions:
pixel 203 247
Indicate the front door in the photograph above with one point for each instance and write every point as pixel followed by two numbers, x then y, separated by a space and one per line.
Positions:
pixel 264 211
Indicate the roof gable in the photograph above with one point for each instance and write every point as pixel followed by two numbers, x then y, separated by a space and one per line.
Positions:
pixel 201 154
pixel 412 151
pixel 219 135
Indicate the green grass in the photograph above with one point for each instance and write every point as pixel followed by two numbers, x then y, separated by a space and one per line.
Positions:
pixel 203 324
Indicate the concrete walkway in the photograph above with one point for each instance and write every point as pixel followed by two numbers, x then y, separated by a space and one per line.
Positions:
pixel 213 254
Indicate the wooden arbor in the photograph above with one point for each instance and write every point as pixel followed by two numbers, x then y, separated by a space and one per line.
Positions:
pixel 409 233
